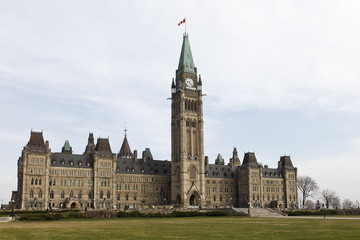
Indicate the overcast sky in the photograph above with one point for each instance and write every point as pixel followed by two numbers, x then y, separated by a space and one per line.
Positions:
pixel 281 77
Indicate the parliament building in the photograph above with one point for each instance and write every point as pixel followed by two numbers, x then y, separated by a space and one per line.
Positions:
pixel 102 179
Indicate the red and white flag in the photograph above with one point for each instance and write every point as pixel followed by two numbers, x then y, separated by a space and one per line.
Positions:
pixel 181 22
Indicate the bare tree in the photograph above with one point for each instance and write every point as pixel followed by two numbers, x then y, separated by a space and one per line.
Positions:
pixel 330 198
pixel 357 204
pixel 309 204
pixel 307 187
pixel 336 203
pixel 347 204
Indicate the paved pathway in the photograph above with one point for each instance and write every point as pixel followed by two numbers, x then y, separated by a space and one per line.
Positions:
pixel 315 217
pixel 4 219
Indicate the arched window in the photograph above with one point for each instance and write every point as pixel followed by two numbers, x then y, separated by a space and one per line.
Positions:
pixel 52 194
pixel 54 182
pixel 36 181
pixel 40 181
pixel 214 198
pixel 101 194
pixel 79 195
pixel 40 194
pixel 118 197
pixel 62 195
pixel 135 197
pixel 126 197
pixel 32 181
pixel 108 195
pixel 71 194
pixel 31 194
pixel 193 173
pixel 195 106
pixel 89 195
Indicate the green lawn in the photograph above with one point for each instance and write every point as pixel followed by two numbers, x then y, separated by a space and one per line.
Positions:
pixel 184 228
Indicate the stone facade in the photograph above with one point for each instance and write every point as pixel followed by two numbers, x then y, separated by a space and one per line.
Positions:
pixel 101 179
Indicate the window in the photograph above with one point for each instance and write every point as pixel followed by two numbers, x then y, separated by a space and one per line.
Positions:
pixel 62 195
pixel 71 194
pixel 31 194
pixel 193 173
pixel 40 181
pixel 40 194
pixel 126 197
pixel 101 194
pixel 118 197
pixel 108 195
pixel 134 197
pixel 32 181
pixel 54 182
pixel 36 181
pixel 80 195
pixel 52 194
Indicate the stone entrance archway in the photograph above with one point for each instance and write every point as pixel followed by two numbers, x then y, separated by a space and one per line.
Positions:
pixel 73 205
pixel 194 199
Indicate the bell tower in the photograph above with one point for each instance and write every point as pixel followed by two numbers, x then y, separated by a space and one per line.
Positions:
pixel 187 134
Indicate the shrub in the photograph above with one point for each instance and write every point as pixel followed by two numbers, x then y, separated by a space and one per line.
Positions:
pixel 50 216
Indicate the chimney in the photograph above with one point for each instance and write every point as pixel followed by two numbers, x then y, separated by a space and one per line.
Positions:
pixel 206 161
pixel 144 156
pixel 135 156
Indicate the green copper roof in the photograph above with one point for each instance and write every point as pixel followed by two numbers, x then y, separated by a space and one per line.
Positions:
pixel 67 146
pixel 148 154
pixel 219 158
pixel 186 58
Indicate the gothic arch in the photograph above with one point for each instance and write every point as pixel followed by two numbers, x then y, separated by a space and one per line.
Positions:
pixel 194 199
pixel 192 172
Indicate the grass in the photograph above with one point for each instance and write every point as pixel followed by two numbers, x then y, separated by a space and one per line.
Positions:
pixel 184 228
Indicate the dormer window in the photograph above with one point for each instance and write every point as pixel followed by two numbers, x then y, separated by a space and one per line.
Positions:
pixel 80 163
pixel 63 162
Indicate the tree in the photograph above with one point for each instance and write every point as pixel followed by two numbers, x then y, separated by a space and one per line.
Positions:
pixel 330 198
pixel 348 204
pixel 307 187
pixel 309 204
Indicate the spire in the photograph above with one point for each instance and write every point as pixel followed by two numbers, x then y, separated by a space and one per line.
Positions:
pixel 219 160
pixel 125 151
pixel 66 148
pixel 235 160
pixel 186 61
pixel 90 144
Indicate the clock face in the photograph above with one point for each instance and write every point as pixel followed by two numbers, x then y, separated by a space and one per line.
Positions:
pixel 189 82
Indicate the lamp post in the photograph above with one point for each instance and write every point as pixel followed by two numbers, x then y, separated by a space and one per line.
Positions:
pixel 12 208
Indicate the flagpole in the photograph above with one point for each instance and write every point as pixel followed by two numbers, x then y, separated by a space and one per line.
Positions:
pixel 185 25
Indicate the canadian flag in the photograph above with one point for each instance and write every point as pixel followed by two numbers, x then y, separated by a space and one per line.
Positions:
pixel 181 22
